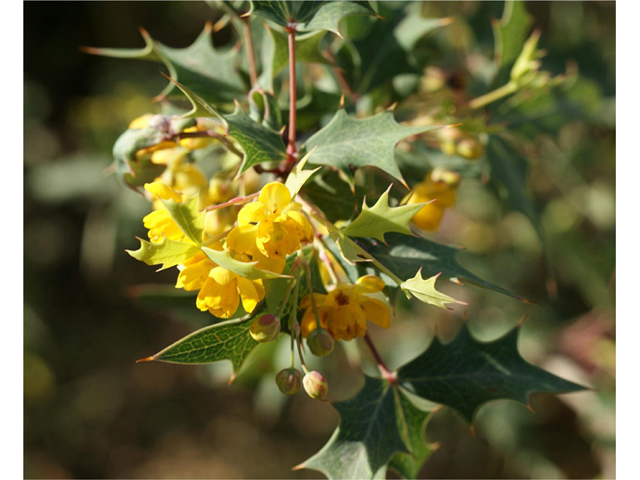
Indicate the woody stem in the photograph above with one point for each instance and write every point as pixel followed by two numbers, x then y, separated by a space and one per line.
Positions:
pixel 251 58
pixel 387 374
pixel 291 147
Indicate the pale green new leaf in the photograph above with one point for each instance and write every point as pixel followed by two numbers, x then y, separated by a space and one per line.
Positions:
pixel 375 221
pixel 425 291
pixel 167 253
pixel 244 269
pixel 298 177
pixel 348 143
pixel 189 219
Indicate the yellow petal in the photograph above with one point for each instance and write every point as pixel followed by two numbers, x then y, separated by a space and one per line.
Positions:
pixel 141 122
pixel 369 284
pixel 429 217
pixel 251 293
pixel 222 275
pixel 376 311
pixel 163 191
pixel 242 239
pixel 306 301
pixel 276 197
pixel 252 213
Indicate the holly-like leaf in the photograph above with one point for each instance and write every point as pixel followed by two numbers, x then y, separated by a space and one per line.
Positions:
pixel 132 171
pixel 348 143
pixel 167 253
pixel 228 340
pixel 414 420
pixel 331 195
pixel 367 436
pixel 425 291
pixel 310 16
pixel 465 373
pixel 211 74
pixel 406 255
pixel 259 143
pixel 510 34
pixel 298 177
pixel 375 221
pixel 189 219
pixel 245 269
pixel 307 50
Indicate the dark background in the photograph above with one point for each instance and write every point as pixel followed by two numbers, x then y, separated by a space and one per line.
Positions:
pixel 91 412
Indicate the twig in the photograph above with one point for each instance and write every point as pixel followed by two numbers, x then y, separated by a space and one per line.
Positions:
pixel 251 58
pixel 233 201
pixel 387 374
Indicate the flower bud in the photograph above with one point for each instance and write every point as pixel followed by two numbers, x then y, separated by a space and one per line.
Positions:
pixel 470 148
pixel 265 328
pixel 320 342
pixel 289 381
pixel 315 385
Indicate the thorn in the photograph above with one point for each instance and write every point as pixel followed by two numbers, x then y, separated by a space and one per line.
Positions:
pixel 219 25
pixel 245 15
pixel 392 107
pixel 90 50
pixel 464 316
pixel 161 97
pixel 528 302
pixel 380 17
pixel 456 280
pixel 208 26
pixel 298 467
pixel 148 359
pixel 233 377
pixel 339 35
pixel 341 102
pixel 472 430
pixel 530 408
pixel 437 408
pixel 144 33
pixel 447 21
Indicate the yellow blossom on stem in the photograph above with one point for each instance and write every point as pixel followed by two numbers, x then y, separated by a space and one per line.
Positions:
pixel 345 310
pixel 438 188
pixel 280 225
pixel 159 222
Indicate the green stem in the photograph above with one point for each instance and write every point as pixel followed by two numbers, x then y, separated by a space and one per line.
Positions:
pixel 286 298
pixel 291 148
pixel 310 287
pixel 497 94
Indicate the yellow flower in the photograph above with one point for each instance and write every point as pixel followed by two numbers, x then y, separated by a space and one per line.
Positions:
pixel 141 122
pixel 221 290
pixel 197 142
pixel 439 186
pixel 281 227
pixel 159 222
pixel 345 310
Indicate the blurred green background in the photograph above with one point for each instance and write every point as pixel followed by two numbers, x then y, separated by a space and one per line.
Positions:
pixel 91 412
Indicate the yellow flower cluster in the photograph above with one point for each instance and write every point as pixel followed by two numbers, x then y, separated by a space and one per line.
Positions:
pixel 267 231
pixel 345 310
pixel 438 188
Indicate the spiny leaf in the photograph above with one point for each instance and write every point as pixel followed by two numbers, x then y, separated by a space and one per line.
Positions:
pixel 307 50
pixel 132 171
pixel 189 219
pixel 375 221
pixel 412 420
pixel 298 177
pixel 167 253
pixel 367 436
pixel 347 142
pixel 228 340
pixel 244 269
pixel 425 291
pixel 406 255
pixel 310 16
pixel 510 34
pixel 202 68
pixel 332 195
pixel 259 143
pixel 490 371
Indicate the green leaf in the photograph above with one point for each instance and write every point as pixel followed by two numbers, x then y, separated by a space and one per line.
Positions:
pixel 131 171
pixel 310 16
pixel 298 177
pixel 347 142
pixel 367 436
pixel 228 340
pixel 188 218
pixel 209 73
pixel 510 34
pixel 244 269
pixel 263 108
pixel 465 373
pixel 375 221
pixel 167 252
pixel 414 420
pixel 259 143
pixel 307 50
pixel 425 291
pixel 331 194
pixel 406 255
